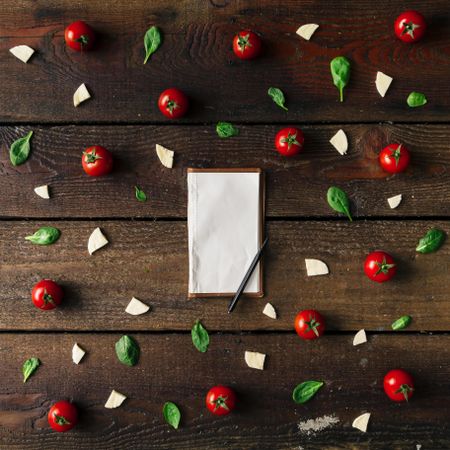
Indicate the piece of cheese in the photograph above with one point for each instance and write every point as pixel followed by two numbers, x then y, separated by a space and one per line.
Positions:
pixel 269 311
pixel 22 52
pixel 394 201
pixel 96 241
pixel 77 353
pixel 361 422
pixel 360 337
pixel 42 191
pixel 165 156
pixel 340 142
pixel 307 30
pixel 316 267
pixel 81 95
pixel 115 399
pixel 136 307
pixel 382 83
pixel 255 360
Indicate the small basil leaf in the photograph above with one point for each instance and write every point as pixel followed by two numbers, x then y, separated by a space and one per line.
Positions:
pixel 20 150
pixel 140 194
pixel 127 351
pixel 226 130
pixel 401 323
pixel 44 236
pixel 152 41
pixel 431 242
pixel 340 71
pixel 338 200
pixel 277 96
pixel 416 99
pixel 305 391
pixel 29 367
pixel 172 414
pixel 200 337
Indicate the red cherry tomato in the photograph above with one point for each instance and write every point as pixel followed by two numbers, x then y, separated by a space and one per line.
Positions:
pixel 47 294
pixel 410 26
pixel 79 36
pixel 220 400
pixel 394 158
pixel 309 324
pixel 173 103
pixel 289 141
pixel 247 45
pixel 63 416
pixel 380 266
pixel 398 385
pixel 97 161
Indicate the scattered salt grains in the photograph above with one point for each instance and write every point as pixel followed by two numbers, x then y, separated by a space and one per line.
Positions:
pixel 312 426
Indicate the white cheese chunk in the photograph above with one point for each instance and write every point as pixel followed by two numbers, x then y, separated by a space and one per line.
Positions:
pixel 307 30
pixel 81 95
pixel 115 399
pixel 269 311
pixel 316 267
pixel 340 142
pixel 360 337
pixel 255 360
pixel 136 307
pixel 96 241
pixel 42 191
pixel 361 422
pixel 394 201
pixel 22 52
pixel 165 156
pixel 382 83
pixel 77 353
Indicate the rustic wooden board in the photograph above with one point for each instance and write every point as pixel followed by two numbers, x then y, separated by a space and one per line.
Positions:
pixel 196 56
pixel 296 187
pixel 149 260
pixel 171 369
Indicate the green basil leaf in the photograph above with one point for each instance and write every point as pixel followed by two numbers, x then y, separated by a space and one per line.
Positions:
pixel 200 337
pixel 305 391
pixel 44 236
pixel 416 99
pixel 152 41
pixel 172 414
pixel 127 350
pixel 401 323
pixel 340 71
pixel 277 96
pixel 338 200
pixel 29 367
pixel 431 242
pixel 226 130
pixel 140 194
pixel 20 150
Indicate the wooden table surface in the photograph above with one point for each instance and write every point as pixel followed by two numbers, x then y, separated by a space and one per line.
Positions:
pixel 147 254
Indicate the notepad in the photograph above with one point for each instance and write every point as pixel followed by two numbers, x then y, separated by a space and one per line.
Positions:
pixel 225 227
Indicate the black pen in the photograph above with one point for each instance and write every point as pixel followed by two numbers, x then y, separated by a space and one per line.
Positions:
pixel 247 276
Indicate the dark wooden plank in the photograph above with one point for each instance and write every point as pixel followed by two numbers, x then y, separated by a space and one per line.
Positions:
pixel 295 186
pixel 171 369
pixel 196 56
pixel 149 260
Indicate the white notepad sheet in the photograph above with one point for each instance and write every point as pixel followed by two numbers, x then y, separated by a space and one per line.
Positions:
pixel 224 228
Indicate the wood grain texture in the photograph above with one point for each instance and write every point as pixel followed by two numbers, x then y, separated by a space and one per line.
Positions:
pixel 149 260
pixel 296 187
pixel 171 369
pixel 196 56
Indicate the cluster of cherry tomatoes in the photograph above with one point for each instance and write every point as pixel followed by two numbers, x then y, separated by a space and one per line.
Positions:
pixel 379 266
